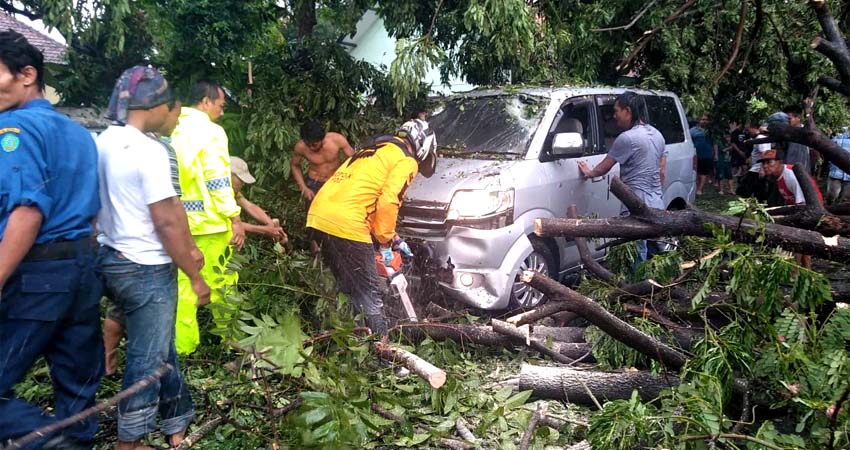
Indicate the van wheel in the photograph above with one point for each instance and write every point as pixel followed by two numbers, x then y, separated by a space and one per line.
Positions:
pixel 540 260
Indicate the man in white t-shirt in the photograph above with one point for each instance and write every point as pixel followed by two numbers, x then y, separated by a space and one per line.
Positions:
pixel 144 234
pixel 782 174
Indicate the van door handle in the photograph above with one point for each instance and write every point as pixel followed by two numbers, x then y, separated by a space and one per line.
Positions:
pixel 597 179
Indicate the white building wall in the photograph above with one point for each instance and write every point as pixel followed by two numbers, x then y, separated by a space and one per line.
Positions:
pixel 373 44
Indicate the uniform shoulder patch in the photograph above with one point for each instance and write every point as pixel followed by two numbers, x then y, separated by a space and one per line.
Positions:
pixel 9 139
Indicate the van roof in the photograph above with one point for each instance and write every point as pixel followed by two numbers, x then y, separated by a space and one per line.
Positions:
pixel 562 92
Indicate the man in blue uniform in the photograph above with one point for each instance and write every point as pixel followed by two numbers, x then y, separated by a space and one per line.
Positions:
pixel 50 298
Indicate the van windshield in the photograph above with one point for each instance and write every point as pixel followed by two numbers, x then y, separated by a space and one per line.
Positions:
pixel 489 127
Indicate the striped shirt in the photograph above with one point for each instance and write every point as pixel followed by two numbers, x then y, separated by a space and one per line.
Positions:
pixel 172 161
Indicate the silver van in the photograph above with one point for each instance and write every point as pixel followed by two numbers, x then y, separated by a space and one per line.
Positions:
pixel 508 157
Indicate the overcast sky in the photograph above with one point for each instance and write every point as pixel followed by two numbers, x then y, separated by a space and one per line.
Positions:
pixel 38 25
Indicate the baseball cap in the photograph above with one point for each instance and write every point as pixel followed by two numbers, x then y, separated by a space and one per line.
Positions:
pixel 139 87
pixel 240 168
pixel 776 118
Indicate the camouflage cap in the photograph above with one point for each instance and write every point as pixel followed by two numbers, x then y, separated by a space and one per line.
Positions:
pixel 139 87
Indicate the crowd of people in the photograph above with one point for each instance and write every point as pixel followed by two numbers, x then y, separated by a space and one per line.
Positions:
pixel 722 160
pixel 148 215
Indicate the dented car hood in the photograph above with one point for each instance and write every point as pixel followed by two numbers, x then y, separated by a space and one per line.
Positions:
pixel 454 174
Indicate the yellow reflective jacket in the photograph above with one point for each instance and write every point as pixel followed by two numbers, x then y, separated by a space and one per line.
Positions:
pixel 363 196
pixel 204 163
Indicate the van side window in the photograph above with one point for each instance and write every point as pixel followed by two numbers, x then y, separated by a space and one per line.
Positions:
pixel 608 130
pixel 575 116
pixel 664 116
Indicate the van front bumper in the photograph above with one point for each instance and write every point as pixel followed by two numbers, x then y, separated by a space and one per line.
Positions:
pixel 475 267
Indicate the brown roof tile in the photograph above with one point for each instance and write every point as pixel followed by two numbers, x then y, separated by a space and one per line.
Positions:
pixel 54 52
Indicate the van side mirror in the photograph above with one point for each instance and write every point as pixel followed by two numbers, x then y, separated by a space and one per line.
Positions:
pixel 568 145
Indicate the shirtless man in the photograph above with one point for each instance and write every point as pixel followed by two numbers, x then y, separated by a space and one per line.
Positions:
pixel 322 153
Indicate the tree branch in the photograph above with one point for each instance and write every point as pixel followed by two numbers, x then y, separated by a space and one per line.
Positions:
pixel 755 33
pixel 834 47
pixel 9 7
pixel 79 417
pixel 630 24
pixel 644 40
pixel 737 46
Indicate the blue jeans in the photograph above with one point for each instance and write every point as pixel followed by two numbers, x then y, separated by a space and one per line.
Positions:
pixel 147 295
pixel 648 249
pixel 51 309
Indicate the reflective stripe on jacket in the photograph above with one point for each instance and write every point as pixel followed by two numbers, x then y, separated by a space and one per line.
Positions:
pixel 204 163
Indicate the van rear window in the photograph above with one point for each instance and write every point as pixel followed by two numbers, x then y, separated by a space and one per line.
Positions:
pixel 664 116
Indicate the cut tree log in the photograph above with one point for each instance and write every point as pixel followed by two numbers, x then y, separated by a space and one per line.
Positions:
pixel 435 376
pixel 576 386
pixel 482 335
pixel 605 321
pixel 648 223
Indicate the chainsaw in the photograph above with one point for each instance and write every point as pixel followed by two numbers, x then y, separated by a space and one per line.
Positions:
pixel 393 272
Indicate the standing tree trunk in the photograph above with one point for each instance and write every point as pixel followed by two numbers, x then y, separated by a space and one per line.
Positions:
pixel 305 14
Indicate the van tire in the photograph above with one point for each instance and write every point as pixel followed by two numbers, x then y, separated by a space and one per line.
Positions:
pixel 523 296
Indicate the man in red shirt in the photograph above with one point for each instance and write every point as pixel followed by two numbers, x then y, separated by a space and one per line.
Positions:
pixel 788 185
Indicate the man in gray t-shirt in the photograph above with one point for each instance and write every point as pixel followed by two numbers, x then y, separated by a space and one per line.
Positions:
pixel 640 151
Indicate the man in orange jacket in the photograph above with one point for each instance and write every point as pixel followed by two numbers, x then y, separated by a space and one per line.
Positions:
pixel 360 202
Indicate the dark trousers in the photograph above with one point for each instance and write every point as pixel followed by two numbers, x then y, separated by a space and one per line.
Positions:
pixel 353 266
pixel 51 309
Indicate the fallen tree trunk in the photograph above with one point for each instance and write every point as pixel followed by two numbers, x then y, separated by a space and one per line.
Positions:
pixel 523 334
pixel 581 387
pixel 648 223
pixel 481 335
pixel 435 376
pixel 605 321
pixel 639 289
pixel 558 334
pixel 811 137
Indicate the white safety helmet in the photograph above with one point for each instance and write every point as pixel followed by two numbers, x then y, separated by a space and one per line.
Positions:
pixel 424 143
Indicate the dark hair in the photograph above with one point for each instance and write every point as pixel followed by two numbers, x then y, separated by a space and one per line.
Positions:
pixel 16 53
pixel 753 124
pixel 636 105
pixel 793 110
pixel 202 89
pixel 312 131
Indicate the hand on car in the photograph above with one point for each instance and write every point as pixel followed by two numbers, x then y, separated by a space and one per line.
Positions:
pixel 584 169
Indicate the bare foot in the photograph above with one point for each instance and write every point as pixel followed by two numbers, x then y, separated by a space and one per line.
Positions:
pixel 176 439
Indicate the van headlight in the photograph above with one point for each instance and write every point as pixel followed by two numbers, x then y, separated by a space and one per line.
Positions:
pixel 485 209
